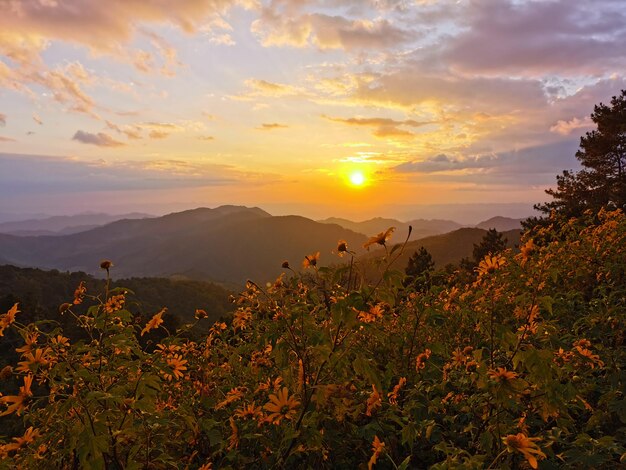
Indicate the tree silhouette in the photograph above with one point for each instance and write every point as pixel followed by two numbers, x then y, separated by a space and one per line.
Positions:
pixel 602 181
pixel 418 270
pixel 491 244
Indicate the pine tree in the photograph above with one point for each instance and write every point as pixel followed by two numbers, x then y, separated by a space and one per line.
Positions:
pixel 602 181
pixel 418 270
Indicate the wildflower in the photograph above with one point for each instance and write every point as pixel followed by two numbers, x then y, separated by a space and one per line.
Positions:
pixel 526 251
pixel 200 314
pixel 526 446
pixel 64 307
pixel 106 264
pixel 206 466
pixel 233 440
pixel 37 357
pixel 458 358
pixel 378 447
pixel 79 293
pixel 28 438
pixel 177 364
pixel 380 239
pixel 502 375
pixel 154 322
pixel 250 411
pixel 285 265
pixel 265 386
pixel 373 402
pixel 17 403
pixel 114 303
pixel 393 395
pixel 490 264
pixel 281 406
pixel 8 318
pixel 342 247
pixel 242 318
pixel 311 260
pixel 232 396
pixel 420 360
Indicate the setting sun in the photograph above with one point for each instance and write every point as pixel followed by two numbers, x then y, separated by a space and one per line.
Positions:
pixel 357 178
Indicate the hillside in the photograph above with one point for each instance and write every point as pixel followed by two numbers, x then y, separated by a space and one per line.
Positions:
pixel 501 224
pixel 421 227
pixel 228 244
pixel 64 224
pixel 447 248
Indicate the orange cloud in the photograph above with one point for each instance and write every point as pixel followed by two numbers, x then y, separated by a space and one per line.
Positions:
pixel 100 139
pixel 271 126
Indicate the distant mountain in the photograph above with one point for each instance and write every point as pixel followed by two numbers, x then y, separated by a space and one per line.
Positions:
pixel 421 227
pixel 228 244
pixel 447 248
pixel 63 224
pixel 501 224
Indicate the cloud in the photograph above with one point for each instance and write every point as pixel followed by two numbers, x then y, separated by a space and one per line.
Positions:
pixel 37 119
pixel 3 119
pixel 567 127
pixel 100 139
pixel 277 27
pixel 535 38
pixel 6 139
pixel 265 88
pixel 272 126
pixel 38 174
pixel 206 137
pixel 383 127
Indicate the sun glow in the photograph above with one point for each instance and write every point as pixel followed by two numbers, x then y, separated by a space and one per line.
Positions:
pixel 357 178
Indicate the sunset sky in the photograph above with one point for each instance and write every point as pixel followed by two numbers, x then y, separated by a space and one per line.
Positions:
pixel 159 105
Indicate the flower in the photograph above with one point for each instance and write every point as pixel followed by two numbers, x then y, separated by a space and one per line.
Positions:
pixel 393 395
pixel 373 402
pixel 250 411
pixel 232 396
pixel 79 293
pixel 526 446
pixel 281 406
pixel 106 264
pixel 177 364
pixel 378 447
pixel 420 360
pixel 233 440
pixel 154 322
pixel 115 303
pixel 8 318
pixel 285 264
pixel 502 375
pixel 28 438
pixel 16 403
pixel 311 260
pixel 200 314
pixel 489 264
pixel 36 357
pixel 342 247
pixel 379 239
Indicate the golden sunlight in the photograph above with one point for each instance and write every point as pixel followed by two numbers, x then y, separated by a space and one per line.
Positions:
pixel 357 178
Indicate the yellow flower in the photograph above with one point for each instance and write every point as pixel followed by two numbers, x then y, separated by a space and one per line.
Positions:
pixel 502 375
pixel 177 364
pixel 250 411
pixel 373 402
pixel 393 395
pixel 28 438
pixel 378 447
pixel 490 264
pixel 342 247
pixel 106 264
pixel 8 318
pixel 526 446
pixel 281 406
pixel 17 403
pixel 232 396
pixel 420 360
pixel 154 322
pixel 115 303
pixel 37 357
pixel 233 440
pixel 79 293
pixel 379 239
pixel 311 260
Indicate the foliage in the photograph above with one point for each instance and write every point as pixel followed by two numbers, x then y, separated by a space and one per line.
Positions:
pixel 492 243
pixel 418 270
pixel 522 366
pixel 602 181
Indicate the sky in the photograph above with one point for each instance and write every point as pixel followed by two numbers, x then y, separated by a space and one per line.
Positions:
pixel 158 106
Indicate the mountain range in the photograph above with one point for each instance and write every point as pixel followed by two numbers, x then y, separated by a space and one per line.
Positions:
pixel 228 244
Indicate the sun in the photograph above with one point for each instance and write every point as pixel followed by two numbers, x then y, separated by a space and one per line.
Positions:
pixel 357 178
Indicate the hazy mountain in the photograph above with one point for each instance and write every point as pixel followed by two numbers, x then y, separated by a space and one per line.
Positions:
pixel 501 224
pixel 63 224
pixel 228 244
pixel 421 227
pixel 447 248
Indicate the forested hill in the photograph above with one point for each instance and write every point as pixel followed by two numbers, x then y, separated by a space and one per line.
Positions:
pixel 40 293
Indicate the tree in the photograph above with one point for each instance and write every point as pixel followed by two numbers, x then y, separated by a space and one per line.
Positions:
pixel 491 244
pixel 418 270
pixel 602 181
